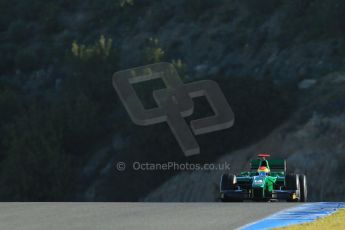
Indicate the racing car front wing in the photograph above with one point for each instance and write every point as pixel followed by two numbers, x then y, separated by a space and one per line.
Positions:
pixel 251 194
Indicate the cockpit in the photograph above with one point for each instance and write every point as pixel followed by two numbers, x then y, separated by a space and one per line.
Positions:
pixel 263 174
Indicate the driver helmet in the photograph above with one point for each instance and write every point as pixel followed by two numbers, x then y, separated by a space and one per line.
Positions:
pixel 263 170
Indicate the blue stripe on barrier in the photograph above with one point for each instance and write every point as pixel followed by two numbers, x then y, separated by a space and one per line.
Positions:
pixel 302 214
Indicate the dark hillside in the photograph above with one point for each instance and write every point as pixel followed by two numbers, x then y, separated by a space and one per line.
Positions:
pixel 63 127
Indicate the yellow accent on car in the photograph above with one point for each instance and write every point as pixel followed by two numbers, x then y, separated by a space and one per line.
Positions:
pixel 294 196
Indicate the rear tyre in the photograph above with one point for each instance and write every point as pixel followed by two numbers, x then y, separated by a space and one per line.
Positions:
pixel 228 182
pixel 303 188
pixel 292 183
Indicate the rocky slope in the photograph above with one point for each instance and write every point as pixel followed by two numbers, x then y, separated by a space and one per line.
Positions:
pixel 311 141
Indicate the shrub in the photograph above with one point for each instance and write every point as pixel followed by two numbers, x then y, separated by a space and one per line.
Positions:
pixel 101 48
pixel 153 53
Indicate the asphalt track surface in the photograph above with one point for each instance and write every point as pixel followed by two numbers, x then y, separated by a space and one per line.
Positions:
pixel 144 216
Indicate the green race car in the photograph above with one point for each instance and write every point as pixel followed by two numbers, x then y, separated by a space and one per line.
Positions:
pixel 267 180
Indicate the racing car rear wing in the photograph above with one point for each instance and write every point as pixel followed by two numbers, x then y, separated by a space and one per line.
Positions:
pixel 274 165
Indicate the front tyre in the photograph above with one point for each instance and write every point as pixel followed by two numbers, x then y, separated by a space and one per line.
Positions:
pixel 303 188
pixel 292 183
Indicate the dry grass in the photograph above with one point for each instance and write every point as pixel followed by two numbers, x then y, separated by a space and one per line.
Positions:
pixel 336 221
